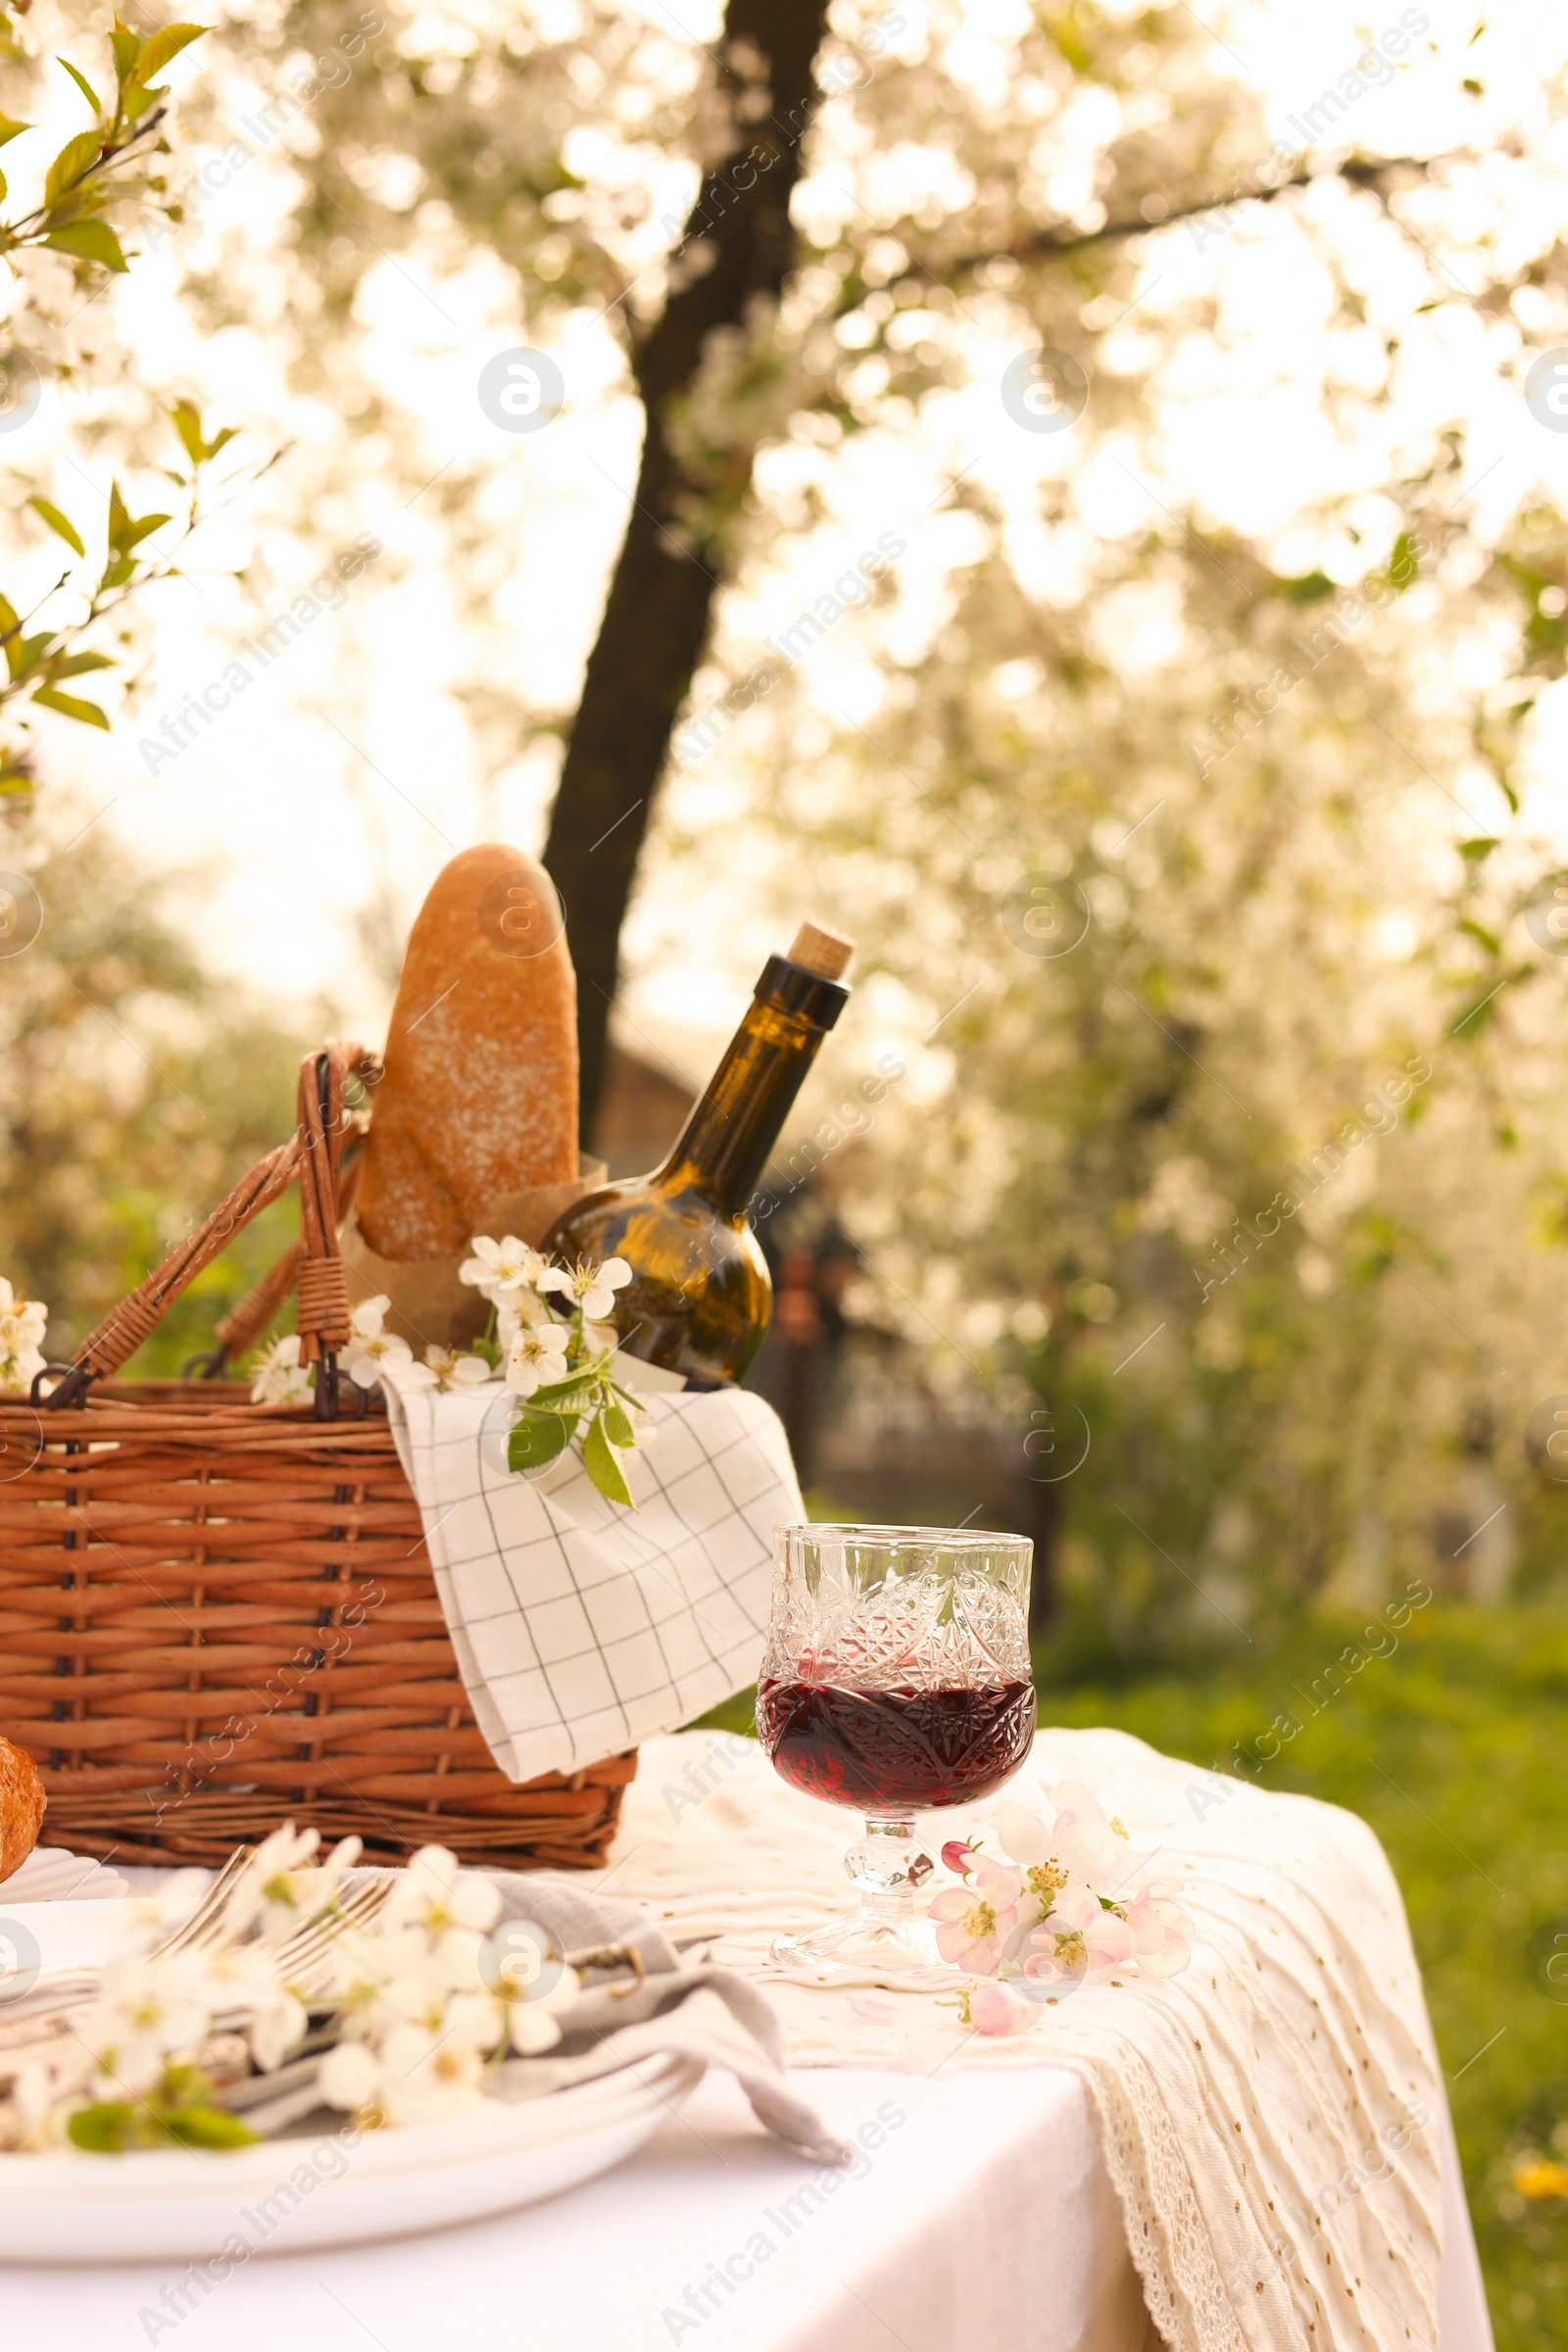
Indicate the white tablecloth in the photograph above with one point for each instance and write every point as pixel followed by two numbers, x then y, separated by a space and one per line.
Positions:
pixel 985 2213
pixel 985 2217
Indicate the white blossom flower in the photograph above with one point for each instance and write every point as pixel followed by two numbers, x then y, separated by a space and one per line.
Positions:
pixel 22 1329
pixel 592 1288
pixel 373 1350
pixel 435 1898
pixel 427 2073
pixel 533 2023
pixel 532 2028
pixel 536 1357
pixel 349 2076
pixel 500 1269
pixel 281 1890
pixel 279 1378
pixel 148 2011
pixel 25 1317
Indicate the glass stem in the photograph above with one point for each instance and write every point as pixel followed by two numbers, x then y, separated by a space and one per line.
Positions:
pixel 888 1863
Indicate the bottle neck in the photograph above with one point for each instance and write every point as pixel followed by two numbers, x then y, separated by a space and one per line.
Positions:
pixel 724 1145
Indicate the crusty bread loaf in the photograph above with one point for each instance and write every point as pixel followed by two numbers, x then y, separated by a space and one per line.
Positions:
pixel 22 1804
pixel 480 1093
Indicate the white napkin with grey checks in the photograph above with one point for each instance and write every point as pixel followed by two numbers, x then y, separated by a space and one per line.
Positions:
pixel 581 1628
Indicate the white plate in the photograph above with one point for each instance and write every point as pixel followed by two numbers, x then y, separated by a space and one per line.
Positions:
pixel 285 2195
pixel 53 1875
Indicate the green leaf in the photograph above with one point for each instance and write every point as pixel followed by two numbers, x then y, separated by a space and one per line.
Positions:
pixel 1404 561
pixel 1484 938
pixel 207 2127
pixel 617 1425
pixel 89 242
pixel 82 83
pixel 70 707
pixel 10 129
pixel 75 665
pixel 161 48
pixel 144 526
pixel 105 2129
pixel 133 104
pixel 25 653
pixel 118 518
pixel 127 46
pixel 77 156
pixel 222 440
pixel 57 522
pixel 573 1391
pixel 1310 589
pixel 538 1439
pixel 188 425
pixel 8 618
pixel 599 1460
pixel 116 573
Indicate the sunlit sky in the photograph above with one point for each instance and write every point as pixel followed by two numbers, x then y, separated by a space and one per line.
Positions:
pixel 349 771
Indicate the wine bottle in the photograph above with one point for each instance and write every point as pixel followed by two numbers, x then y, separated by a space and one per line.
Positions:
pixel 700 1296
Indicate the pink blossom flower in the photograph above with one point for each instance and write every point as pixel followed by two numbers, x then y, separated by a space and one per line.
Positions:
pixel 975 1921
pixel 1160 1933
pixel 1089 1844
pixel 1078 1844
pixel 1080 1940
pixel 957 1854
pixel 1023 1835
pixel 989 2008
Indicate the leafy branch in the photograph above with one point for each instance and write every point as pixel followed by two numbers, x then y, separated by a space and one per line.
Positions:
pixel 588 1399
pixel 560 1371
pixel 41 662
pixel 79 186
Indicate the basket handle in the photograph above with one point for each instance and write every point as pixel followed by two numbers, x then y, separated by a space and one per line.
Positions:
pixel 240 1329
pixel 313 1153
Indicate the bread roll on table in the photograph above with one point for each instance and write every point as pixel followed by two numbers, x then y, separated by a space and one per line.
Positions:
pixel 22 1804
pixel 480 1093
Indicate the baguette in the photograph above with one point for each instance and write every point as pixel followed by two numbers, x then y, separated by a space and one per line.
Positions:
pixel 480 1097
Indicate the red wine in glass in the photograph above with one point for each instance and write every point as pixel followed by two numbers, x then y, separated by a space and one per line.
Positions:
pixel 896 1682
pixel 895 1750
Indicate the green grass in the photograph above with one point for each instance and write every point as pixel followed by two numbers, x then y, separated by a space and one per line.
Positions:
pixel 1455 1749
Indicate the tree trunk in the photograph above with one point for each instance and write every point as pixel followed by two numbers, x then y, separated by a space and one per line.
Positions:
pixel 657 618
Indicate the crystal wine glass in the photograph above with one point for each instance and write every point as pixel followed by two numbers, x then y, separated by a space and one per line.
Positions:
pixel 896 1680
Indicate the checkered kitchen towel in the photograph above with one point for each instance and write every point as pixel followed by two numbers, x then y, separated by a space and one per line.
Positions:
pixel 581 1628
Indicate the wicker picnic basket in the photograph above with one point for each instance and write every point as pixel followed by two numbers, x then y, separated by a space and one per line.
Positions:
pixel 216 1615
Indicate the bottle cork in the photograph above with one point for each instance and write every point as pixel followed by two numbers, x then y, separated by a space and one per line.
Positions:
pixel 825 953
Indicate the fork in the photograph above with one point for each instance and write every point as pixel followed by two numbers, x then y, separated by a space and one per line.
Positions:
pixel 297 1954
pixel 59 1989
pixel 311 1943
pixel 200 1926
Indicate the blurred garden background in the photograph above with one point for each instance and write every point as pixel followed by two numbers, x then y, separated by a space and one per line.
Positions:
pixel 1077 497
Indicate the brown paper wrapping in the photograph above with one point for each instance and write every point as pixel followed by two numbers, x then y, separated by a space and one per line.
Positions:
pixel 430 1306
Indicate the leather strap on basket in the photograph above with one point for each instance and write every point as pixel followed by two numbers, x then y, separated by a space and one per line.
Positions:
pixel 324 1291
pixel 315 1151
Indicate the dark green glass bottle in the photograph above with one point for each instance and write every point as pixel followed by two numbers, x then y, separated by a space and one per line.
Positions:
pixel 700 1298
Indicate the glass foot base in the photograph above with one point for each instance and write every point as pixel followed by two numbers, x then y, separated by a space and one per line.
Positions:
pixel 870 1947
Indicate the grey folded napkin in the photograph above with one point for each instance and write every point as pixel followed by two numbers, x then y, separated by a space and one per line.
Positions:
pixel 676 2004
